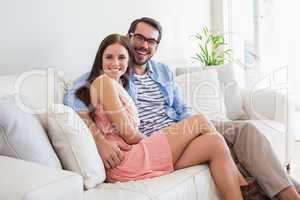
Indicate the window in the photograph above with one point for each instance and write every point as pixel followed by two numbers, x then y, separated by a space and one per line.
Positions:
pixel 267 29
pixel 240 23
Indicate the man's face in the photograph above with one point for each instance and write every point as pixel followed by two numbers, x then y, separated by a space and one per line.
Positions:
pixel 144 42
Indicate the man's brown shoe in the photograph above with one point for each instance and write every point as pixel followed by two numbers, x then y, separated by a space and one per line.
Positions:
pixel 252 191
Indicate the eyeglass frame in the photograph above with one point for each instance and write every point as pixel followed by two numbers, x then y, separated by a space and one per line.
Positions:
pixel 144 39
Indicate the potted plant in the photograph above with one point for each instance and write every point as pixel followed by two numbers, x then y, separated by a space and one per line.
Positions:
pixel 213 82
pixel 213 52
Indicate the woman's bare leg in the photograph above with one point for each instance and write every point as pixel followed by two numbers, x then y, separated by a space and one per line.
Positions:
pixel 213 149
pixel 188 149
pixel 288 193
pixel 242 180
pixel 183 132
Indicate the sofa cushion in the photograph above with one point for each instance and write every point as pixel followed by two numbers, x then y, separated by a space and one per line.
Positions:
pixel 22 135
pixel 202 92
pixel 228 85
pixel 191 183
pixel 232 97
pixel 22 180
pixel 75 145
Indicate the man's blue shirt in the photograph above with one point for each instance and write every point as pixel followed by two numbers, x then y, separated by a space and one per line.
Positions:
pixel 176 108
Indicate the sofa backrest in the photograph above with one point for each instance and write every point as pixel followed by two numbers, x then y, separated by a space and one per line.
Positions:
pixel 41 88
pixel 29 96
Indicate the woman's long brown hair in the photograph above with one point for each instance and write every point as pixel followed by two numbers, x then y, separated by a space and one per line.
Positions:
pixel 83 93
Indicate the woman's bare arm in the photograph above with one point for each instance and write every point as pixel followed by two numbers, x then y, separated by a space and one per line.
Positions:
pixel 103 90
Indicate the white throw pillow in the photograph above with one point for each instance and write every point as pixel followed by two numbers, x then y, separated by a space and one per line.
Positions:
pixel 201 90
pixel 231 92
pixel 22 135
pixel 75 145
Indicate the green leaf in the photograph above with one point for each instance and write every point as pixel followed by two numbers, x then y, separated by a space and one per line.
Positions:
pixel 205 31
pixel 198 36
pixel 204 52
pixel 212 48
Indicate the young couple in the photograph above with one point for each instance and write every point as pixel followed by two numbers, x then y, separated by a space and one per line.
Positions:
pixel 149 131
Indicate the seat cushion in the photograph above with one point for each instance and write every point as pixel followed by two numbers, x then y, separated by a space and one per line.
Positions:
pixel 75 145
pixel 22 180
pixel 185 184
pixel 22 135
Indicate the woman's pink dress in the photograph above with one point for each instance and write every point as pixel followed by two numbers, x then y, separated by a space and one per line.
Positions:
pixel 151 157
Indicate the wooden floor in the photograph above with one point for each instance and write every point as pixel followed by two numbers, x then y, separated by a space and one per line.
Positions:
pixel 295 165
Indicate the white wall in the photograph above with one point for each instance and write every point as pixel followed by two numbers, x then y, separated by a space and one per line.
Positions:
pixel 66 33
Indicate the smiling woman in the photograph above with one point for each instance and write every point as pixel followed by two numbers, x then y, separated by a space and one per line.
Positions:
pixel 112 58
pixel 115 60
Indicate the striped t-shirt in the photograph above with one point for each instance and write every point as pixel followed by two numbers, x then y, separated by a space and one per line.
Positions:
pixel 151 105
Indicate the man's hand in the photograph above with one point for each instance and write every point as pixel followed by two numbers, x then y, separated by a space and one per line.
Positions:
pixel 110 151
pixel 109 148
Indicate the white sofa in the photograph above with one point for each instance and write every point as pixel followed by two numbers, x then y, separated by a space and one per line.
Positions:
pixel 31 181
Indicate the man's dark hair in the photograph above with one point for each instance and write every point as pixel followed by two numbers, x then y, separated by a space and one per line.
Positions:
pixel 152 22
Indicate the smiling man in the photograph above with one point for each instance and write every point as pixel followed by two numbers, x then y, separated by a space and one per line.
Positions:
pixel 144 40
pixel 151 81
pixel 153 88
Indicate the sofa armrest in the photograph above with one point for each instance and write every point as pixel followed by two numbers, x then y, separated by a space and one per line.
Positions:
pixel 266 104
pixel 270 104
pixel 22 180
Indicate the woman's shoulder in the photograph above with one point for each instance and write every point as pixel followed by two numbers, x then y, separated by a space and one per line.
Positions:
pixel 104 77
pixel 106 81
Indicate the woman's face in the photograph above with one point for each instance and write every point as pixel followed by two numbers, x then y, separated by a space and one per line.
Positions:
pixel 115 61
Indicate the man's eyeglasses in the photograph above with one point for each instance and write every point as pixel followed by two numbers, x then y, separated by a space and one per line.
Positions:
pixel 138 38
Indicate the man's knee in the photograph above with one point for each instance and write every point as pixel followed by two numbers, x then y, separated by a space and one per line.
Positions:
pixel 250 131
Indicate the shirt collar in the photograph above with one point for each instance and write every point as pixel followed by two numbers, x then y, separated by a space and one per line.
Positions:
pixel 149 69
